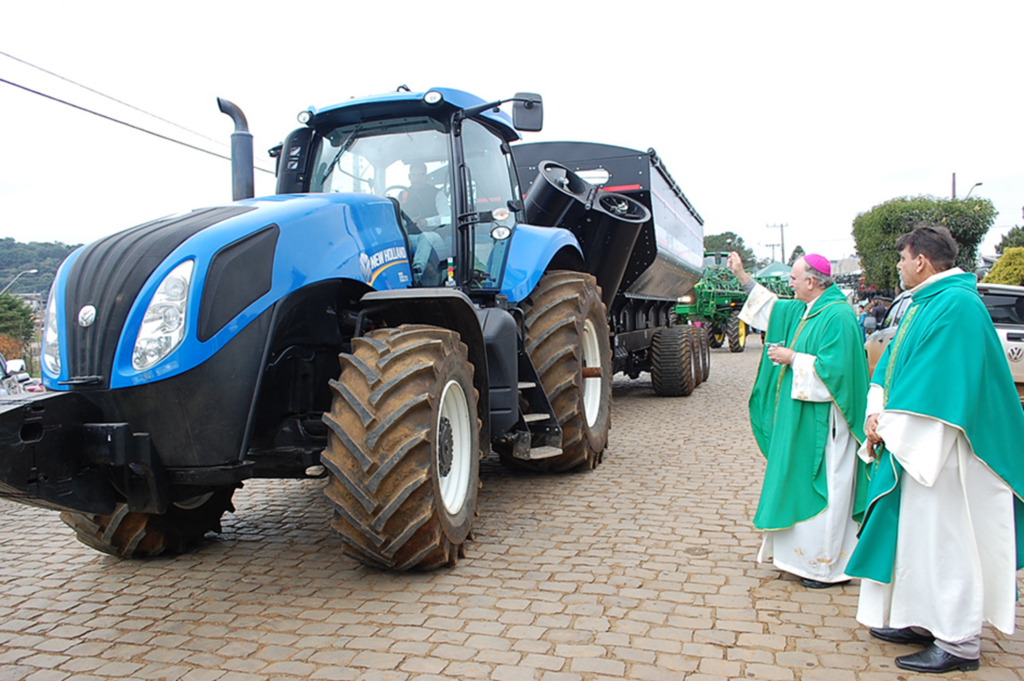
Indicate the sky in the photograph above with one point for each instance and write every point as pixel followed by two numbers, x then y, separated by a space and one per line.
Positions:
pixel 802 114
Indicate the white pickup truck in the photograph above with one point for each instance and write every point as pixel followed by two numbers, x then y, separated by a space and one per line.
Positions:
pixel 1006 306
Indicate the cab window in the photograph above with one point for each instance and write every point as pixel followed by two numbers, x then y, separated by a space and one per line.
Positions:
pixel 489 192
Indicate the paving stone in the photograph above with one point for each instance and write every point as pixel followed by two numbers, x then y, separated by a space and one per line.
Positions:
pixel 641 569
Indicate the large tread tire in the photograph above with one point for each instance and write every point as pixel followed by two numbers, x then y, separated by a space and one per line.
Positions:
pixel 565 322
pixel 129 534
pixel 403 475
pixel 736 331
pixel 705 350
pixel 696 349
pixel 716 336
pixel 672 362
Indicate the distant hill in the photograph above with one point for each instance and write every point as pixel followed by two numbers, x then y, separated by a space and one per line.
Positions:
pixel 19 257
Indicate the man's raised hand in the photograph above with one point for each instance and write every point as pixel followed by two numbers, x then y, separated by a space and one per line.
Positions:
pixel 735 264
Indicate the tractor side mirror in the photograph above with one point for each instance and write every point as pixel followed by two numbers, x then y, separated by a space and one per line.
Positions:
pixel 527 112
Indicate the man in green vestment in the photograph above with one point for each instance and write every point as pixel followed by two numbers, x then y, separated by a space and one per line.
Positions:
pixel 941 540
pixel 807 414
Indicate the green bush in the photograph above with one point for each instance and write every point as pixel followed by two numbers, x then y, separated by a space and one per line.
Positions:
pixel 1009 269
pixel 876 231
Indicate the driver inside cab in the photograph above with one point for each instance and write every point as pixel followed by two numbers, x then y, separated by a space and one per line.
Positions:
pixel 419 203
pixel 419 200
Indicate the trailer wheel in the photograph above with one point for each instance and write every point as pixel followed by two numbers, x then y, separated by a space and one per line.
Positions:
pixel 736 332
pixel 716 336
pixel 139 535
pixel 705 349
pixel 672 362
pixel 567 333
pixel 403 452
pixel 698 355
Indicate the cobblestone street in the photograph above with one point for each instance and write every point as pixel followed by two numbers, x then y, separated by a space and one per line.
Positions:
pixel 642 569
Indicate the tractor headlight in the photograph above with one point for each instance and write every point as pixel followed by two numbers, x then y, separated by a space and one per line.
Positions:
pixel 51 338
pixel 163 326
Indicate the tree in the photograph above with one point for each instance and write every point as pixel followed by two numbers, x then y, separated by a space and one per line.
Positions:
pixel 17 257
pixel 1009 269
pixel 876 231
pixel 729 241
pixel 15 323
pixel 1012 239
pixel 798 252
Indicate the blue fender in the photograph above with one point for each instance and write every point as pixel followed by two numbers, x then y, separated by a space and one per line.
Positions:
pixel 530 252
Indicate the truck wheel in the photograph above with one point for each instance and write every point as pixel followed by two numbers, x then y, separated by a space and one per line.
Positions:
pixel 138 535
pixel 673 365
pixel 716 336
pixel 566 334
pixel 403 451
pixel 737 333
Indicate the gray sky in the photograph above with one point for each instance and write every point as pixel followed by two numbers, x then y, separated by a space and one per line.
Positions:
pixel 800 113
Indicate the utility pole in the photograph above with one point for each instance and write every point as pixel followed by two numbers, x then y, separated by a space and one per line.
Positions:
pixel 954 185
pixel 782 239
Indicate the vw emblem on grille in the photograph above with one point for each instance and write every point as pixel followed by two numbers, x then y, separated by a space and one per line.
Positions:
pixel 1016 353
pixel 86 316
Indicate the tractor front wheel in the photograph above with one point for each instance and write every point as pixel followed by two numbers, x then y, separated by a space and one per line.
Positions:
pixel 736 332
pixel 716 335
pixel 403 452
pixel 130 534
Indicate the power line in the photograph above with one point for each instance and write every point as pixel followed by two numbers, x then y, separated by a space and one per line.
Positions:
pixel 124 123
pixel 113 99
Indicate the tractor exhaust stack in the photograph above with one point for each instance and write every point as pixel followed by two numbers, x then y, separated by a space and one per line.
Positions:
pixel 242 183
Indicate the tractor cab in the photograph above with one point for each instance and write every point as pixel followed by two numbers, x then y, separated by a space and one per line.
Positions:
pixel 444 160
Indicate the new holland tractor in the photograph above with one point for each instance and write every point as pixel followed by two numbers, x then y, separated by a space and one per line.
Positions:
pixel 387 318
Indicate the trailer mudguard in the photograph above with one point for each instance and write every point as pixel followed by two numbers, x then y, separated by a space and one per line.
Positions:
pixel 275 245
pixel 532 250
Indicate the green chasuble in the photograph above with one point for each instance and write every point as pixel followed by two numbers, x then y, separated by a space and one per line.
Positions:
pixel 945 363
pixel 792 434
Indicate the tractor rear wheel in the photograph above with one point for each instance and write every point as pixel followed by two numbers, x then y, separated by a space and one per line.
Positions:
pixel 139 535
pixel 736 332
pixel 672 362
pixel 403 452
pixel 567 339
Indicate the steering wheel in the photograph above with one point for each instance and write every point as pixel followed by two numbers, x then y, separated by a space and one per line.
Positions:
pixel 400 187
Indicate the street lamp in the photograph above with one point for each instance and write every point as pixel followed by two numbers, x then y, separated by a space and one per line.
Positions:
pixel 976 184
pixel 16 279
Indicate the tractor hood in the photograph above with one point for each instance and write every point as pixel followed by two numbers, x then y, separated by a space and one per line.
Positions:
pixel 208 274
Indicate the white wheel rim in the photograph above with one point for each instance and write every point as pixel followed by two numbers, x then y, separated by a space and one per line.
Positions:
pixel 455 485
pixel 591 386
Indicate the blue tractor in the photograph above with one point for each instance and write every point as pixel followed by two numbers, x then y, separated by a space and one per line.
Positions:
pixel 189 354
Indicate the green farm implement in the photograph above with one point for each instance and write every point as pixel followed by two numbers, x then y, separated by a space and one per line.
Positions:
pixel 716 301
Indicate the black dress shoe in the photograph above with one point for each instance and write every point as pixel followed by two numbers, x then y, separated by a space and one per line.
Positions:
pixel 906 636
pixel 935 660
pixel 815 584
